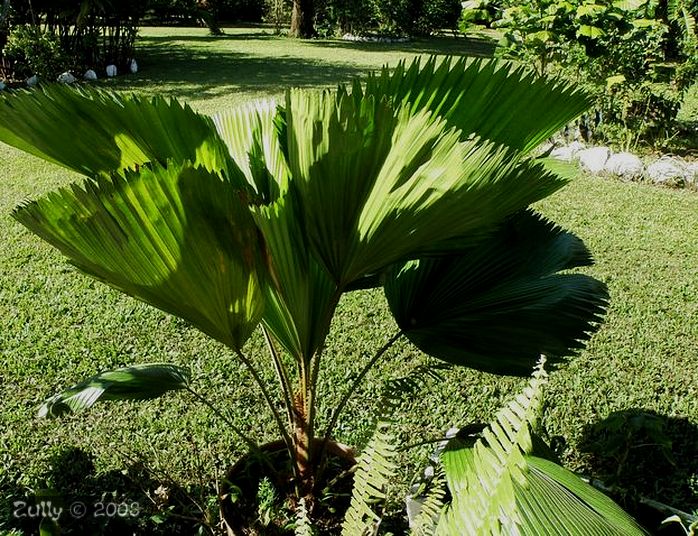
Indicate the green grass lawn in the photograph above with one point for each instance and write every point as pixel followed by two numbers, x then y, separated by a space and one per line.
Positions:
pixel 57 326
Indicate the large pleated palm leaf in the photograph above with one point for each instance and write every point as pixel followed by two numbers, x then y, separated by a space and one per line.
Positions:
pixel 96 132
pixel 459 90
pixel 178 238
pixel 270 212
pixel 498 305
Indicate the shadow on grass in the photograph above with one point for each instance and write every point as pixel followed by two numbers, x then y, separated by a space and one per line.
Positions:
pixel 211 39
pixel 199 73
pixel 83 501
pixel 461 46
pixel 198 67
pixel 640 453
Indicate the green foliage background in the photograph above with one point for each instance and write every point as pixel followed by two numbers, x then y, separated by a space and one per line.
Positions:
pixel 56 325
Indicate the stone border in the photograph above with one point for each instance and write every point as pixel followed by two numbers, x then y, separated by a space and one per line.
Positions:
pixel 666 170
pixel 69 78
pixel 374 38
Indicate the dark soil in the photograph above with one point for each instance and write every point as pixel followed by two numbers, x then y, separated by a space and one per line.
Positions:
pixel 259 497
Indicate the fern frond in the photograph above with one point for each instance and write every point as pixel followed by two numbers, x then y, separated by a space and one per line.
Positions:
pixel 432 505
pixel 304 527
pixel 495 463
pixel 377 465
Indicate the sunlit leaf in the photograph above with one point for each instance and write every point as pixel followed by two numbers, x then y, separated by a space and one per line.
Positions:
pixel 615 80
pixel 178 238
pixel 590 10
pixel 367 178
pixel 586 30
pixel 301 295
pixel 493 100
pixel 629 5
pixel 97 132
pixel 250 133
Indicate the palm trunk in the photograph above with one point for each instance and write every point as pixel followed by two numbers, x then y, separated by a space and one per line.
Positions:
pixel 302 24
pixel 302 441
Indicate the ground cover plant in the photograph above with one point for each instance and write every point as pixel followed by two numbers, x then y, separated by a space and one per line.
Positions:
pixel 630 351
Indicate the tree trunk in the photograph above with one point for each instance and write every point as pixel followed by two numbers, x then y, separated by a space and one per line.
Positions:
pixel 302 24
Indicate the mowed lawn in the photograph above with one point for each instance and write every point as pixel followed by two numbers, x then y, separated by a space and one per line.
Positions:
pixel 58 327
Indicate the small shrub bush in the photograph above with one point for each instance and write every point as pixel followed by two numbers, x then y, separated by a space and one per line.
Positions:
pixel 478 12
pixel 636 56
pixel 72 34
pixel 30 50
pixel 388 17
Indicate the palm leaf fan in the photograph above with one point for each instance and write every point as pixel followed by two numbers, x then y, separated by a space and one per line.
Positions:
pixel 97 132
pixel 178 238
pixel 493 100
pixel 498 305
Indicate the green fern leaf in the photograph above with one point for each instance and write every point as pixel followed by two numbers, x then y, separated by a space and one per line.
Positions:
pixel 377 465
pixel 304 527
pixel 432 505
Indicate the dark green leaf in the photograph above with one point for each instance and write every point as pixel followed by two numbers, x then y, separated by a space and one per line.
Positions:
pixel 497 306
pixel 139 382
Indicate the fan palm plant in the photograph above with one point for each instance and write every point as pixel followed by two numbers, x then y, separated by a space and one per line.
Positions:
pixel 417 180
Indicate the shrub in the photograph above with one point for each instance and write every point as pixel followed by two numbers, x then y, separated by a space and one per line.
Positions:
pixel 349 16
pixel 31 50
pixel 478 12
pixel 438 15
pixel 418 17
pixel 637 59
pixel 90 34
pixel 401 17
pixel 645 111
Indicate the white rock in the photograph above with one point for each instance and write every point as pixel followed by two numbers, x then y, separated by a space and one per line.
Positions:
pixel 545 148
pixel 133 66
pixel 625 165
pixel 90 75
pixel 594 158
pixel 111 70
pixel 413 507
pixel 669 171
pixel 66 78
pixel 32 80
pixel 692 175
pixel 2 85
pixel 568 152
